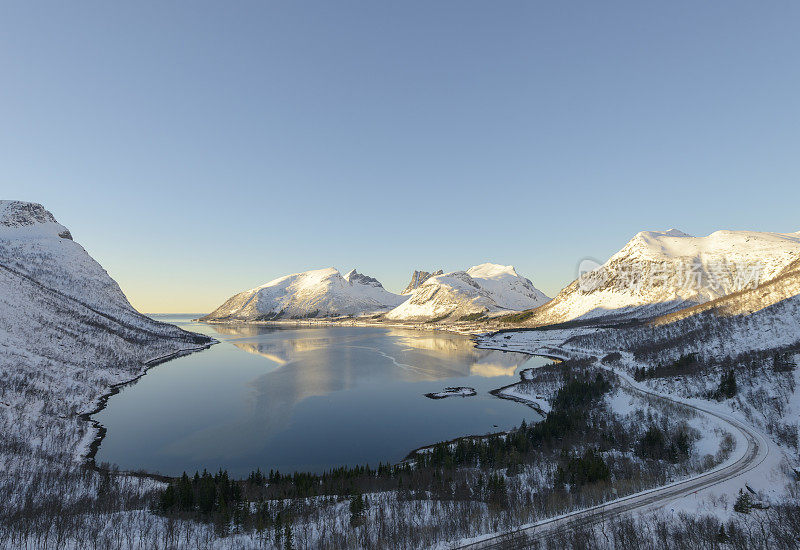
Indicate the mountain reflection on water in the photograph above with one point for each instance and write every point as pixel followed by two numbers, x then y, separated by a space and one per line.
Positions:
pixel 308 398
pixel 421 355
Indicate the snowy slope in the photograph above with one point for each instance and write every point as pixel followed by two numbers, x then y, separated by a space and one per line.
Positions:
pixel 318 293
pixel 482 289
pixel 660 272
pixel 763 318
pixel 37 251
pixel 744 302
pixel 67 333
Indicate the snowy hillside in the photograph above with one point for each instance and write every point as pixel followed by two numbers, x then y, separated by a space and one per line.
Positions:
pixel 661 272
pixel 482 289
pixel 764 318
pixel 318 293
pixel 67 335
pixel 40 264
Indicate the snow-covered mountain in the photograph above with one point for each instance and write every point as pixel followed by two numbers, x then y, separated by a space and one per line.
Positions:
pixel 762 318
pixel 41 264
pixel 482 289
pixel 317 293
pixel 661 272
pixel 67 334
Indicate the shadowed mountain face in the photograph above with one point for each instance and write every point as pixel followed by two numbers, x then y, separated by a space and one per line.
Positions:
pixel 67 334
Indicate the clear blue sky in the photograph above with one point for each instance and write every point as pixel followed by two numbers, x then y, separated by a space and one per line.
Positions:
pixel 197 149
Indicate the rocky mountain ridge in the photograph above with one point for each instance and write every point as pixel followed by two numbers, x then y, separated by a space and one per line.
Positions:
pixel 419 277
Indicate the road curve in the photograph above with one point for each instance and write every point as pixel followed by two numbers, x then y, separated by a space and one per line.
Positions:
pixel 755 453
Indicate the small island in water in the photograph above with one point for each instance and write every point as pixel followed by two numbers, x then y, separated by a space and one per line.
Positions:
pixel 450 392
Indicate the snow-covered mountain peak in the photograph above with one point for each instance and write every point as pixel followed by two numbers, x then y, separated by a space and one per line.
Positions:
pixel 311 278
pixel 482 289
pixel 315 293
pixel 724 245
pixel 33 244
pixel 354 277
pixel 676 233
pixel 20 219
pixel 38 254
pixel 492 271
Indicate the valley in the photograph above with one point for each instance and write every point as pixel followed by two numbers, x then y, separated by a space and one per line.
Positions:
pixel 679 402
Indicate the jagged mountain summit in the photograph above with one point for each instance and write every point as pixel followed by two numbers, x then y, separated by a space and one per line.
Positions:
pixel 419 277
pixel 658 272
pixel 317 293
pixel 481 290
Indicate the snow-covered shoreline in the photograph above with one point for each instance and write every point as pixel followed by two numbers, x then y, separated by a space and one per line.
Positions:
pixel 91 441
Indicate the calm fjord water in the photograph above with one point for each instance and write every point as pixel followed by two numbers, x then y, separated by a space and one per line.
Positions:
pixel 306 399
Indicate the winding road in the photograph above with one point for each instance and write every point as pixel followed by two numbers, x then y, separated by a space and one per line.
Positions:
pixel 755 453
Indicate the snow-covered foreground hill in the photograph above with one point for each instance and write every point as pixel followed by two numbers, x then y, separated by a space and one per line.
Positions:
pixel 67 335
pixel 661 272
pixel 317 293
pixel 481 290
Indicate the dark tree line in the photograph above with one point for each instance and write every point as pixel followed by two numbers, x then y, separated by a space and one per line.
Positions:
pixel 727 386
pixel 673 446
pixel 685 364
pixel 582 469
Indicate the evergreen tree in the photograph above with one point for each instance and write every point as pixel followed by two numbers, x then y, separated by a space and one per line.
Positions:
pixel 743 503
pixel 288 541
pixel 185 493
pixel 168 499
pixel 278 529
pixel 653 444
pixel 727 386
pixel 206 493
pixel 357 508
